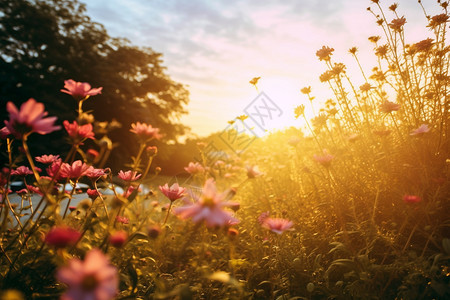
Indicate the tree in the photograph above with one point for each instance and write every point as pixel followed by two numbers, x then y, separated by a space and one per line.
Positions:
pixel 44 42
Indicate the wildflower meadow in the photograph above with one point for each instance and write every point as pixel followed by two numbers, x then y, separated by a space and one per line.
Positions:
pixel 351 204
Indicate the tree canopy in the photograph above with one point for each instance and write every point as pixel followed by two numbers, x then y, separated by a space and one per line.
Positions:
pixel 44 42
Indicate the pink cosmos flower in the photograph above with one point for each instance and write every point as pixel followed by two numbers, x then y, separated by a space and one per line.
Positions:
pixel 47 159
pixel 95 174
pixel 30 118
pixel 79 133
pixel 34 189
pixel 4 133
pixel 92 153
pixel 253 171
pixel 118 238
pixel 129 175
pixel 22 171
pixel 80 90
pixel 207 208
pixel 421 130
pixel 325 159
pixel 122 219
pixel 388 107
pixel 194 168
pixel 277 225
pixel 145 131
pixel 263 216
pixel 60 237
pixel 76 170
pixel 22 192
pixel 94 278
pixel 174 192
pixel 93 194
pixel 411 199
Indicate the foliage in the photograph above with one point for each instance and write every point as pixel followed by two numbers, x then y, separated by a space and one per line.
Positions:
pixel 44 41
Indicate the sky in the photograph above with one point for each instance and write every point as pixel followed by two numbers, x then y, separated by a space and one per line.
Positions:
pixel 216 47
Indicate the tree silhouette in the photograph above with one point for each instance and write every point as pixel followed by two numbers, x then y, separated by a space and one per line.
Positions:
pixel 44 42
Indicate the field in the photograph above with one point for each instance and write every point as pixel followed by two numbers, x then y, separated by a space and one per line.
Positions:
pixel 353 206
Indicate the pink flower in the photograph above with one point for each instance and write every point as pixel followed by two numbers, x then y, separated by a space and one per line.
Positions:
pixel 253 171
pixel 22 171
pixel 421 130
pixel 92 153
pixel 277 225
pixel 22 192
pixel 94 278
pixel 79 133
pixel 54 170
pixel 122 219
pixel 4 133
pixel 129 175
pixel 95 174
pixel 194 168
pixel 144 131
pixel 60 237
pixel 325 159
pixel 80 90
pixel 76 170
pixel 207 208
pixel 175 192
pixel 263 216
pixel 29 119
pixel 34 189
pixel 93 194
pixel 388 107
pixel 118 238
pixel 47 159
pixel 411 199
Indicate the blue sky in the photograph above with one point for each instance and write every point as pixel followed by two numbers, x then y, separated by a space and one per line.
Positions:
pixel 216 47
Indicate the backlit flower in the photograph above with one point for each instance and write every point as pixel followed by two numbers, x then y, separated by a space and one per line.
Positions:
pixel 62 236
pixel 324 159
pixel 79 133
pixel 145 131
pixel 174 192
pixel 47 159
pixel 22 171
pixel 207 208
pixel 438 20
pixel 34 189
pixel 95 174
pixel 397 24
pixel 30 118
pixel 411 199
pixel 80 90
pixel 94 278
pixel 4 133
pixel 388 107
pixel 129 175
pixel 306 90
pixel 93 194
pixel 76 170
pixel 421 130
pixel 253 171
pixel 299 111
pixel 254 80
pixel 324 53
pixel 118 238
pixel 277 225
pixel 194 168
pixel 365 87
pixel 122 219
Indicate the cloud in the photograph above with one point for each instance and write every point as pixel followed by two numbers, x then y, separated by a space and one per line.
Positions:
pixel 216 47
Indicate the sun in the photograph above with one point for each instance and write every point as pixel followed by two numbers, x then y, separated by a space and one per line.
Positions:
pixel 285 93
